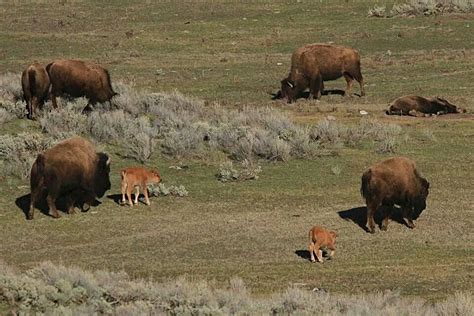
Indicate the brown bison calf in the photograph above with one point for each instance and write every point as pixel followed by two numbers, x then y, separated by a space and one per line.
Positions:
pixel 394 181
pixel 320 238
pixel 78 79
pixel 313 64
pixel 35 84
pixel 71 167
pixel 418 106
pixel 137 177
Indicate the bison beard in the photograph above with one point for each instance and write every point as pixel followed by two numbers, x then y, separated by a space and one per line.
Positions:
pixel 394 181
pixel 70 168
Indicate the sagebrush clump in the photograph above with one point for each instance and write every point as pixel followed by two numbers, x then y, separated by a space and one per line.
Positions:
pixel 424 7
pixel 54 289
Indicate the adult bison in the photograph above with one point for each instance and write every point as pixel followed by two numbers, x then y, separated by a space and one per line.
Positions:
pixel 78 78
pixel 418 106
pixel 313 64
pixel 394 181
pixel 71 167
pixel 35 84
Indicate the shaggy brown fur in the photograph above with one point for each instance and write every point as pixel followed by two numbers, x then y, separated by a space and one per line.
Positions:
pixel 313 64
pixel 320 238
pixel 137 177
pixel 70 167
pixel 79 78
pixel 35 83
pixel 394 181
pixel 418 106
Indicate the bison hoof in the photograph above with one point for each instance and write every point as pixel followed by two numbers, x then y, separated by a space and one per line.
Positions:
pixel 29 217
pixel 56 215
pixel 384 228
pixel 86 207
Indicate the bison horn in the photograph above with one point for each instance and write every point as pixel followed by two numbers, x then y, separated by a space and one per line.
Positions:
pixel 290 84
pixel 108 161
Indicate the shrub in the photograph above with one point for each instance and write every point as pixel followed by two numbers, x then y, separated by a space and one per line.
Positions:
pixel 17 108
pixel 425 7
pixel 247 171
pixel 19 152
pixel 10 87
pixel 53 289
pixel 5 116
pixel 173 190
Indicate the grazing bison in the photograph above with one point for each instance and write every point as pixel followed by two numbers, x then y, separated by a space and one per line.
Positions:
pixel 137 177
pixel 35 84
pixel 418 106
pixel 394 181
pixel 320 238
pixel 71 167
pixel 79 78
pixel 313 64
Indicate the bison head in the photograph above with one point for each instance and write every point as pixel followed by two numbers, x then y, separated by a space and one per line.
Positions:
pixel 102 179
pixel 447 107
pixel 419 204
pixel 288 90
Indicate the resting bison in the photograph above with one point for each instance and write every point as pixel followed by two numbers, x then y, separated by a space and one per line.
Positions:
pixel 71 167
pixel 79 78
pixel 35 84
pixel 137 177
pixel 418 106
pixel 394 181
pixel 313 64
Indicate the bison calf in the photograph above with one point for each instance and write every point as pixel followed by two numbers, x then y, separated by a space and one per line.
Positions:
pixel 313 64
pixel 320 238
pixel 71 167
pixel 418 106
pixel 78 78
pixel 137 177
pixel 394 181
pixel 35 84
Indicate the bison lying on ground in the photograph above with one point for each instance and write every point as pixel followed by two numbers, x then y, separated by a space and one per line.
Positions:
pixel 313 64
pixel 418 106
pixel 320 238
pixel 35 84
pixel 79 78
pixel 394 181
pixel 137 177
pixel 71 167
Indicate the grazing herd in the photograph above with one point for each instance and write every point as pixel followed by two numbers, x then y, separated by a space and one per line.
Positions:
pixel 75 170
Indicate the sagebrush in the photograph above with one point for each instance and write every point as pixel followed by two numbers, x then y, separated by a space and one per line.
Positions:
pixel 54 289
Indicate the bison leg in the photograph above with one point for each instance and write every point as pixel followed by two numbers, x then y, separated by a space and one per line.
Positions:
pixel 319 254
pixel 137 194
pixel 371 208
pixel 386 215
pixel 311 251
pixel 123 188
pixel 52 206
pixel 407 216
pixel 129 195
pixel 350 83
pixel 53 100
pixel 145 192
pixel 316 87
pixel 360 80
pixel 33 198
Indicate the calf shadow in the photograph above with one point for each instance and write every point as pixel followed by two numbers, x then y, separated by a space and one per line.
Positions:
pixel 116 198
pixel 304 254
pixel 23 203
pixel 358 215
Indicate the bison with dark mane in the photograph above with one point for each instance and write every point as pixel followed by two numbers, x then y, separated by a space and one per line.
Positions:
pixel 78 79
pixel 72 167
pixel 35 84
pixel 313 64
pixel 418 106
pixel 394 181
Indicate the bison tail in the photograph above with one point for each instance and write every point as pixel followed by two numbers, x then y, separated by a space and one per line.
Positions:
pixel 109 82
pixel 32 81
pixel 365 184
pixel 37 171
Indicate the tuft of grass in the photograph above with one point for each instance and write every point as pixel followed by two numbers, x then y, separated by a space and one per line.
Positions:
pixel 10 87
pixel 248 171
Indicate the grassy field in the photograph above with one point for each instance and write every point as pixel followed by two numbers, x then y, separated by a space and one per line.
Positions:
pixel 236 55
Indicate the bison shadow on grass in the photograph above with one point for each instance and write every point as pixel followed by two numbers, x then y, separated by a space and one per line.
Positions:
pixel 305 94
pixel 304 254
pixel 358 215
pixel 23 203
